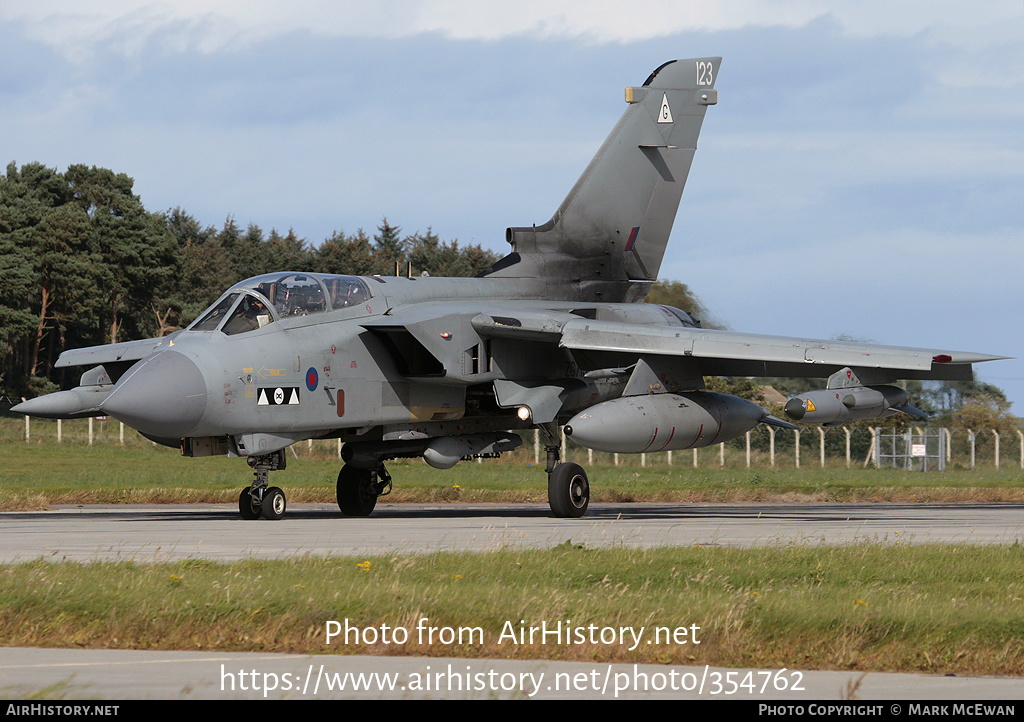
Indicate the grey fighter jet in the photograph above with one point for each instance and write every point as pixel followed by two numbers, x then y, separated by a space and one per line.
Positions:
pixel 552 336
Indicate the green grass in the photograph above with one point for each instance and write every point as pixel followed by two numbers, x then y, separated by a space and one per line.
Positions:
pixel 41 472
pixel 947 609
pixel 942 609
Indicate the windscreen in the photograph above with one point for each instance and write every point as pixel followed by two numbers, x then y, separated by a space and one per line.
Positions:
pixel 213 317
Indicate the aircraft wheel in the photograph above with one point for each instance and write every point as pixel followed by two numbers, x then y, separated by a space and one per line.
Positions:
pixel 274 504
pixel 248 507
pixel 568 491
pixel 357 494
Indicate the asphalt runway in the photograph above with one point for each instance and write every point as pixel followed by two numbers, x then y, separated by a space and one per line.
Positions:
pixel 149 533
pixel 215 531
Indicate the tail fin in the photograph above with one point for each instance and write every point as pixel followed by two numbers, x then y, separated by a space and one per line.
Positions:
pixel 607 239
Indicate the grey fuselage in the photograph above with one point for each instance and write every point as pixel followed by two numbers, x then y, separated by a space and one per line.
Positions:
pixel 393 365
pixel 408 362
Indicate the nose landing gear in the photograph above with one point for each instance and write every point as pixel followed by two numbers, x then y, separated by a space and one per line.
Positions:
pixel 261 500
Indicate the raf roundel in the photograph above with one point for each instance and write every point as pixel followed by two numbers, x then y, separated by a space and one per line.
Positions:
pixel 312 379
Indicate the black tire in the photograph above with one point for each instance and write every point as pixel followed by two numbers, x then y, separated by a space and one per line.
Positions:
pixel 274 504
pixel 568 491
pixel 246 507
pixel 357 494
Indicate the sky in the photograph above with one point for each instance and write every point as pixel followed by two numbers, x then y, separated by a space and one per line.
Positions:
pixel 862 174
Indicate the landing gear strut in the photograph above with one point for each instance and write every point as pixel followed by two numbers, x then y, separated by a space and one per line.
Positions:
pixel 568 486
pixel 261 500
pixel 358 489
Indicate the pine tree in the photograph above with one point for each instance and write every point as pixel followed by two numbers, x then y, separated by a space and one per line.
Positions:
pixel 389 249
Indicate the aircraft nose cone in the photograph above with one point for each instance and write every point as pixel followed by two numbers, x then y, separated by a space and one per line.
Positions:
pixel 162 395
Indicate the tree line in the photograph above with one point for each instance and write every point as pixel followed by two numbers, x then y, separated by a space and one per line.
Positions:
pixel 82 263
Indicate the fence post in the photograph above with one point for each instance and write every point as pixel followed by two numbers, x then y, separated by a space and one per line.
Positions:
pixel 796 445
pixel 748 451
pixel 821 433
pixel 970 435
pixel 996 434
pixel 848 433
pixel 771 444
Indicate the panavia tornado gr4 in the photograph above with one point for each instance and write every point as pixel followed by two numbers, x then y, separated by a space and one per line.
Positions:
pixel 552 336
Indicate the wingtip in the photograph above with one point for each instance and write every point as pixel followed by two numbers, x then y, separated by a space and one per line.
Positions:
pixel 966 357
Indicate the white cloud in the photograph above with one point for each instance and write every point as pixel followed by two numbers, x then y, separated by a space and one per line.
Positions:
pixel 212 25
pixel 853 141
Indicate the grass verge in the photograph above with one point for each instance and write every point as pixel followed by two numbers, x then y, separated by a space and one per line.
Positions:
pixel 37 475
pixel 939 609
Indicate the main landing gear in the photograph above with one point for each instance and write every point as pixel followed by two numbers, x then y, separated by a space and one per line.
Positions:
pixel 568 491
pixel 358 489
pixel 261 500
pixel 568 486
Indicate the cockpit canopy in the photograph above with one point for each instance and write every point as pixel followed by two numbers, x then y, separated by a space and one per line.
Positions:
pixel 255 302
